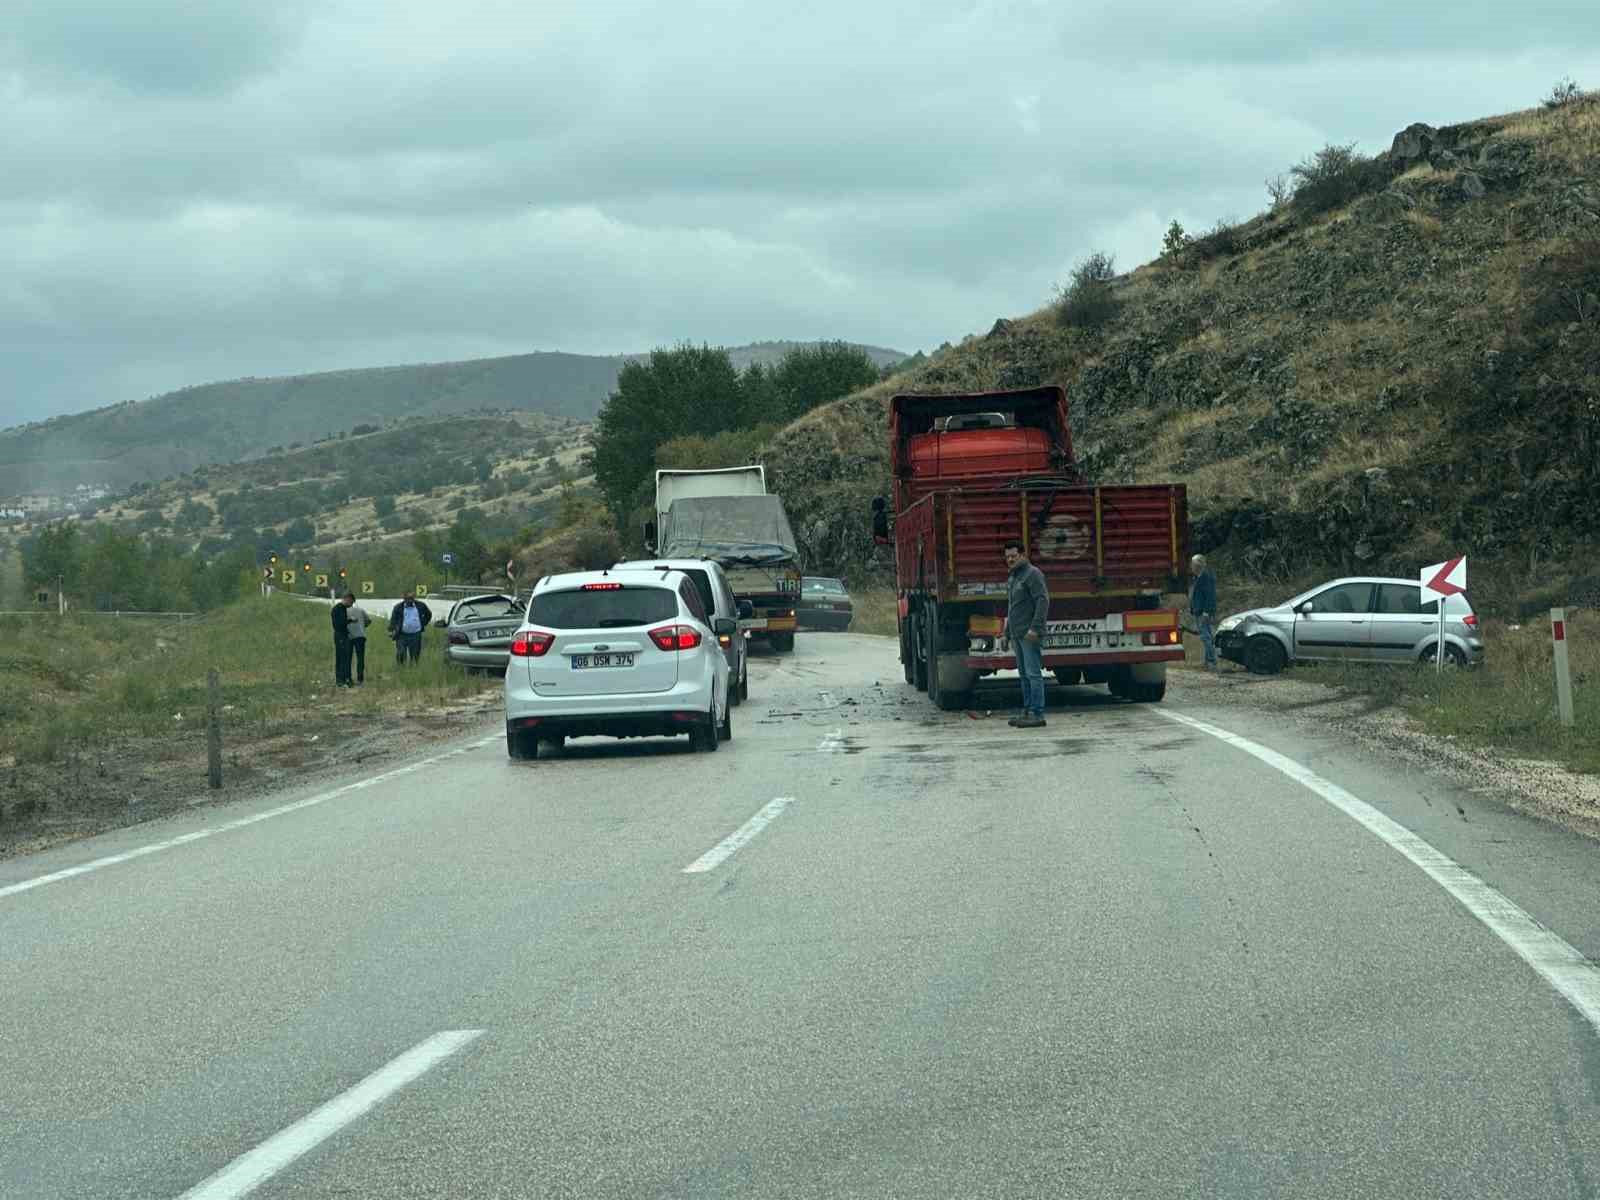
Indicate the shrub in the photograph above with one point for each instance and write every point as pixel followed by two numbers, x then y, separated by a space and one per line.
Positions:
pixel 1088 301
pixel 1334 176
pixel 1279 191
pixel 1565 286
pixel 594 548
pixel 1175 242
pixel 1222 238
pixel 1565 92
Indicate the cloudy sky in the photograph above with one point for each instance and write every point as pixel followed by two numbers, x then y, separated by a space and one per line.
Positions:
pixel 203 189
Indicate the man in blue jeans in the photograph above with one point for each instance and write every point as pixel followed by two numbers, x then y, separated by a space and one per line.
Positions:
pixel 1203 607
pixel 1027 607
pixel 407 621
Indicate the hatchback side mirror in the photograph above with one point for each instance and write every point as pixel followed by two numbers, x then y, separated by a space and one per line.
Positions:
pixel 1307 608
pixel 724 627
pixel 650 535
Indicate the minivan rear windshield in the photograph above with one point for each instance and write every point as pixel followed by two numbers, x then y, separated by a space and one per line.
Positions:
pixel 610 608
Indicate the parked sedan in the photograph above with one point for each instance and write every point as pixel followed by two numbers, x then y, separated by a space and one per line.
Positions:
pixel 824 604
pixel 479 629
pixel 1366 619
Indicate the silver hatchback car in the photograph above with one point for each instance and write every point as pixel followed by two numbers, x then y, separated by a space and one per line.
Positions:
pixel 1365 619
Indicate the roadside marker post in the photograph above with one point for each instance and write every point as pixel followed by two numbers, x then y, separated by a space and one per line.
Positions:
pixel 1440 582
pixel 1558 639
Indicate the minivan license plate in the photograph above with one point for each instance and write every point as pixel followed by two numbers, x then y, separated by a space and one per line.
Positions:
pixel 582 662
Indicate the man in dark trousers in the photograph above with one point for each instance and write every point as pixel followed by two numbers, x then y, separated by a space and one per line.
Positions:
pixel 1203 607
pixel 341 642
pixel 406 623
pixel 1027 607
pixel 356 620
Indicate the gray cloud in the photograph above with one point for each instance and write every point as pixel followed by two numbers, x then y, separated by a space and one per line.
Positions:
pixel 197 191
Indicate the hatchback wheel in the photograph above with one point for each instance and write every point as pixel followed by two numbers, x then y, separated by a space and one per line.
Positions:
pixel 744 680
pixel 1263 656
pixel 726 732
pixel 1452 656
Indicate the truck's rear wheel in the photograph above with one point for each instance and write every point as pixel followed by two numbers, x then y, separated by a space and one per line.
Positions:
pixel 945 697
pixel 1067 676
pixel 919 651
pixel 1124 684
pixel 908 656
pixel 783 642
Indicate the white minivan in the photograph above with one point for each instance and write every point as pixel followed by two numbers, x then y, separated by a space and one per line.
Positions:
pixel 617 654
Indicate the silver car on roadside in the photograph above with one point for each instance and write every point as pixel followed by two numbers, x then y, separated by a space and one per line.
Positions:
pixel 1361 619
pixel 478 631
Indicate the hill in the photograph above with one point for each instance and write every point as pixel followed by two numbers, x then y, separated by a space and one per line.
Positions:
pixel 1400 361
pixel 506 470
pixel 243 418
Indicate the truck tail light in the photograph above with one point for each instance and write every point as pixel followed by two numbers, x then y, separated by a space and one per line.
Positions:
pixel 1165 637
pixel 532 645
pixel 675 637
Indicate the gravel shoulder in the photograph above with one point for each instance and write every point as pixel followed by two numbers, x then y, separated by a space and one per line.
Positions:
pixel 1543 789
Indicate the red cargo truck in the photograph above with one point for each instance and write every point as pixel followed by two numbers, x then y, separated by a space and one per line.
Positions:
pixel 973 471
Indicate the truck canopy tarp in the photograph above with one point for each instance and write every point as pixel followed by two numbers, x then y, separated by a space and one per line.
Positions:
pixel 752 529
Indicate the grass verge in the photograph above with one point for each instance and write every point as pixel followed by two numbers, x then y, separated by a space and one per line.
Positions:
pixel 100 714
pixel 876 611
pixel 1508 705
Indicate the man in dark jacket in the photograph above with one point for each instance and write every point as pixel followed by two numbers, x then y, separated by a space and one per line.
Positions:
pixel 341 642
pixel 1203 607
pixel 1027 607
pixel 407 620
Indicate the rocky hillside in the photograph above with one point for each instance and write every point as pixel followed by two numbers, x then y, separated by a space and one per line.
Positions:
pixel 1409 369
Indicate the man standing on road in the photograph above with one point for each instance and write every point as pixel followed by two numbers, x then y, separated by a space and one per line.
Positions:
pixel 356 619
pixel 406 623
pixel 1203 607
pixel 341 642
pixel 1027 607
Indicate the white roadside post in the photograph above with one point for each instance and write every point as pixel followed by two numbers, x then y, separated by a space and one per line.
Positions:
pixel 1440 582
pixel 1558 637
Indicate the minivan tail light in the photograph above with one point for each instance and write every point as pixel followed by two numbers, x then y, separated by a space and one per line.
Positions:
pixel 1470 620
pixel 531 645
pixel 676 637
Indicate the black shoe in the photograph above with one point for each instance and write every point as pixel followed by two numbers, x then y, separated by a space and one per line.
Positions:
pixel 1030 723
pixel 1015 719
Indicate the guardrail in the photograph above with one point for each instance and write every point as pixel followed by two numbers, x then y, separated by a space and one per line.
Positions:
pixel 90 612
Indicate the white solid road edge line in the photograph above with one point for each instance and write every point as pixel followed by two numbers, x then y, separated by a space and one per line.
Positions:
pixel 250 1170
pixel 723 849
pixel 1561 964
pixel 112 860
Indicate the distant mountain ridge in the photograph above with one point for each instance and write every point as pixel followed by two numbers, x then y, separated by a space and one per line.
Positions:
pixel 244 418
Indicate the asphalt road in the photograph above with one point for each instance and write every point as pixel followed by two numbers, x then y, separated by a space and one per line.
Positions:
pixel 921 955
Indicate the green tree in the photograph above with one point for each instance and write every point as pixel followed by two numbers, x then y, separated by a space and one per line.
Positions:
pixel 465 541
pixel 383 506
pixel 55 552
pixel 811 376
pixel 682 390
pixel 116 572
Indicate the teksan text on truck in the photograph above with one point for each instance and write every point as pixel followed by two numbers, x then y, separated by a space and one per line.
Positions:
pixel 971 472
